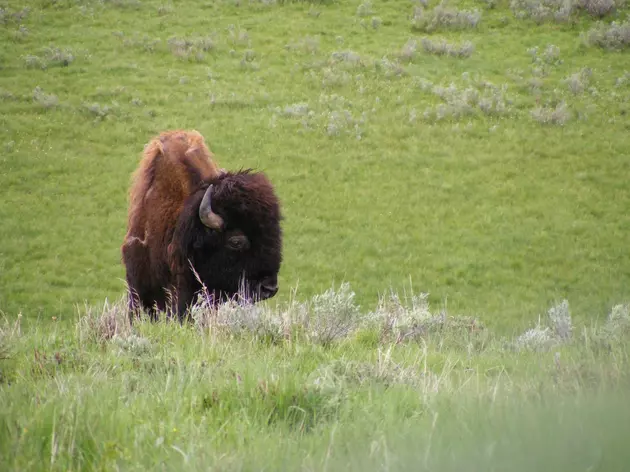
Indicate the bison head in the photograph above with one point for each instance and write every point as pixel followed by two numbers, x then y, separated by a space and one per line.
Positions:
pixel 229 233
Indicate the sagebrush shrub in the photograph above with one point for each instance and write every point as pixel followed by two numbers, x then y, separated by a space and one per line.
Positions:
pixel 557 115
pixel 561 11
pixel 623 80
pixel 389 68
pixel 579 81
pixel 541 11
pixel 444 48
pixel 100 112
pixel 483 97
pixel 444 17
pixel 343 374
pixel 191 48
pixel 617 325
pixel 59 57
pixel 347 57
pixel 560 320
pixel 556 330
pixel 400 322
pixel 43 99
pixel 8 16
pixel 332 315
pixel 112 320
pixel 615 36
pixel 237 318
pixel 34 62
pixel 597 8
pixel 365 9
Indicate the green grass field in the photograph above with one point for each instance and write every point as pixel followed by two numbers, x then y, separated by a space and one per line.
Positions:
pixel 470 199
pixel 477 151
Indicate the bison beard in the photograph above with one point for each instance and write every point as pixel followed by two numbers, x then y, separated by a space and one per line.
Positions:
pixel 227 237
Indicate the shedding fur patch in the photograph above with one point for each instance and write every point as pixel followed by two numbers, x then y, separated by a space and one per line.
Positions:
pixel 173 164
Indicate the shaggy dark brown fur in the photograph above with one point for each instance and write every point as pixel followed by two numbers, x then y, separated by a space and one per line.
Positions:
pixel 168 250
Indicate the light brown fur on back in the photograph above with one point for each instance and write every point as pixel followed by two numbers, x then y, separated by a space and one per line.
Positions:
pixel 172 165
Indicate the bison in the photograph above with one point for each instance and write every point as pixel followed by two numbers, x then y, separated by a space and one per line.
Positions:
pixel 193 226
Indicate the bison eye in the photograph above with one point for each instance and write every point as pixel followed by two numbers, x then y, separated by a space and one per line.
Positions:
pixel 238 242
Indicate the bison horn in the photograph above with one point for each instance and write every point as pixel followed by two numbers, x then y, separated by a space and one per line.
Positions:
pixel 206 215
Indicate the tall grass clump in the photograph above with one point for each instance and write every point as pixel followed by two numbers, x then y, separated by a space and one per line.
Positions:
pixel 9 331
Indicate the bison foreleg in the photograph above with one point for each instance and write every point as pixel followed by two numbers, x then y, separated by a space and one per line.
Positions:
pixel 135 254
pixel 181 298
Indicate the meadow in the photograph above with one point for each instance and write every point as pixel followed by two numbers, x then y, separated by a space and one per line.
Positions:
pixel 454 181
pixel 495 181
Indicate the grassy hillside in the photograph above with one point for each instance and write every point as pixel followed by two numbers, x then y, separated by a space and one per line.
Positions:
pixel 476 151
